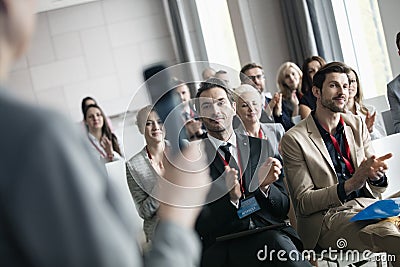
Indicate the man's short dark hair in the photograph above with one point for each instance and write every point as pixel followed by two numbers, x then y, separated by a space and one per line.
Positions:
pixel 207 85
pixel 338 67
pixel 249 66
pixel 398 40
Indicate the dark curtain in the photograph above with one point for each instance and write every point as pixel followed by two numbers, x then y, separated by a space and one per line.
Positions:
pixel 311 30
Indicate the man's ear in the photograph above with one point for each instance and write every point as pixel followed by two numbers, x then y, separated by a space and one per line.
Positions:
pixel 316 92
pixel 234 106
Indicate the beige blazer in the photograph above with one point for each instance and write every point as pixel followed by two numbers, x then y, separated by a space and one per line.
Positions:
pixel 311 175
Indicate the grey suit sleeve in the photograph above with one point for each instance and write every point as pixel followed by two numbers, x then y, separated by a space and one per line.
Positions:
pixel 173 246
pixel 146 205
pixel 393 95
pixel 62 210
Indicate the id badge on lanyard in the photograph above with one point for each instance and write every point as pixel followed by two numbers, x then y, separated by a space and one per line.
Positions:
pixel 247 206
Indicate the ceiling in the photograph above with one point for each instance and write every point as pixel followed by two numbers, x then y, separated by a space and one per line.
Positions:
pixel 46 5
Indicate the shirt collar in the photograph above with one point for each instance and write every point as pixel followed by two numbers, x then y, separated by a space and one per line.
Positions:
pixel 325 133
pixel 217 142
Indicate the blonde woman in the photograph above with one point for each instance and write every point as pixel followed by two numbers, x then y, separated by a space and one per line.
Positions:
pixel 248 108
pixel 146 167
pixel 288 81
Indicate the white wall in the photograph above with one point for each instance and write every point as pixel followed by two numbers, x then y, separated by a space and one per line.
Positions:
pixel 260 35
pixel 390 19
pixel 97 49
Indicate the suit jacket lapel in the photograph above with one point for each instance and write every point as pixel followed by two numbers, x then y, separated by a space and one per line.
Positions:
pixel 244 161
pixel 213 157
pixel 316 137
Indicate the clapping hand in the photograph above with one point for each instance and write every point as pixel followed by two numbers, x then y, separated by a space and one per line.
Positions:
pixel 370 120
pixel 269 172
pixel 373 169
pixel 232 183
pixel 185 187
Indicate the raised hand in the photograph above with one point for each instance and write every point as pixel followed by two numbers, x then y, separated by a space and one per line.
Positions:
pixel 232 183
pixel 373 168
pixel 370 120
pixel 185 187
pixel 294 99
pixel 106 144
pixel 278 105
pixel 193 128
pixel 269 172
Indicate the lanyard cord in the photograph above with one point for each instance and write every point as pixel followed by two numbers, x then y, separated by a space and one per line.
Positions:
pixel 347 156
pixel 239 166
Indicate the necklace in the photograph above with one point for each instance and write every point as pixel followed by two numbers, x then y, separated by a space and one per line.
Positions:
pixel 158 166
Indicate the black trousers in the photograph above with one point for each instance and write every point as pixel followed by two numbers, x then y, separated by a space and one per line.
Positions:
pixel 267 248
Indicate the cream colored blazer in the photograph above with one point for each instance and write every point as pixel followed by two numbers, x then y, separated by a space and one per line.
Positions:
pixel 311 175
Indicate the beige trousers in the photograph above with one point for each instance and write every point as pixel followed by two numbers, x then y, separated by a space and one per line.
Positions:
pixel 338 232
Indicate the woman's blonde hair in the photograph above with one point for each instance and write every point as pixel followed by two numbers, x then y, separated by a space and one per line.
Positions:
pixel 245 88
pixel 142 116
pixel 280 79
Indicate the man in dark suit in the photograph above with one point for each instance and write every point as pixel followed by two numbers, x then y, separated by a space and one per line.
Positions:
pixel 393 94
pixel 248 192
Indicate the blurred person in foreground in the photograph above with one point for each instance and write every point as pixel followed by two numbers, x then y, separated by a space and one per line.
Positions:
pixel 57 206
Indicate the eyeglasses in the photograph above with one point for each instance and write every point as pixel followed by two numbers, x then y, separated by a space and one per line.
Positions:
pixel 256 77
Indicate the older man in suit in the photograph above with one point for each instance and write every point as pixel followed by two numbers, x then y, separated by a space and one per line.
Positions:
pixel 333 173
pixel 248 192
pixel 393 94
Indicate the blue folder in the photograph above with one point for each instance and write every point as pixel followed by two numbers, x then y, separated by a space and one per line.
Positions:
pixel 379 210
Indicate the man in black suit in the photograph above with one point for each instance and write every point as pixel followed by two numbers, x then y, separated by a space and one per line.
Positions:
pixel 248 192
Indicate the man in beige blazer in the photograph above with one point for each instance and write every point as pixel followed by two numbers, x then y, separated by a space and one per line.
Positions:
pixel 329 184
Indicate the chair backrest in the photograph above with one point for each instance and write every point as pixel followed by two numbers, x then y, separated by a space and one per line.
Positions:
pixel 117 174
pixel 116 171
pixel 379 102
pixel 388 121
pixel 385 145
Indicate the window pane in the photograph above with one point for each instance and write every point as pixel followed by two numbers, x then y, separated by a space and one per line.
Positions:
pixel 363 43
